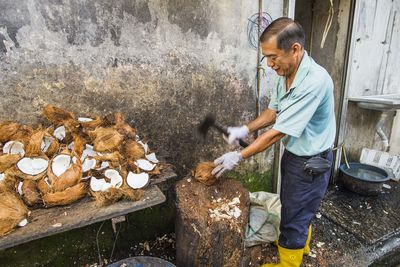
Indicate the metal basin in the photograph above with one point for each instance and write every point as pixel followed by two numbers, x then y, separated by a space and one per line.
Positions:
pixel 378 102
pixel 363 179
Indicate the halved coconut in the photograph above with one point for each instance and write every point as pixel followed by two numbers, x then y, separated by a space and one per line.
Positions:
pixel 60 164
pixel 14 147
pixel 144 164
pixel 114 176
pixel 60 133
pixel 33 148
pixel 88 164
pixel 70 177
pixel 152 157
pixel 7 129
pixel 99 184
pixel 57 115
pixel 68 196
pixel 137 181
pixel 32 166
pixel 13 211
pixel 49 145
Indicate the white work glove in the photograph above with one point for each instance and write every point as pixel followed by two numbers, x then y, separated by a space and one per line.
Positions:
pixel 226 162
pixel 236 133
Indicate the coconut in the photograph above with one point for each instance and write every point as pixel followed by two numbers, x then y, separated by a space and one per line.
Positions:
pixel 14 147
pixel 99 184
pixel 125 130
pixel 113 119
pixel 105 139
pixel 34 146
pixel 57 116
pixel 137 181
pixel 7 130
pixel 32 168
pixel 60 133
pixel 7 161
pixel 68 196
pixel 88 164
pixel 30 192
pixel 12 211
pixel 202 173
pixel 114 158
pixel 145 165
pixel 64 171
pixel 114 176
pixel 49 145
pixel 132 150
pixel 44 185
pixel 90 123
pixel 23 134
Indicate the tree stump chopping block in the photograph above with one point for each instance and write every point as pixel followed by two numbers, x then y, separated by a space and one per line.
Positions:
pixel 210 223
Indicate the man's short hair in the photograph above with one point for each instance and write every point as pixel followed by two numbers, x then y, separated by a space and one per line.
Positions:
pixel 287 32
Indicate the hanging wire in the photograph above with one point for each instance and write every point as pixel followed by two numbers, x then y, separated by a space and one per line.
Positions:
pixel 253 29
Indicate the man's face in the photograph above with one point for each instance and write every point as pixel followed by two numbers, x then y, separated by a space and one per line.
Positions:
pixel 284 63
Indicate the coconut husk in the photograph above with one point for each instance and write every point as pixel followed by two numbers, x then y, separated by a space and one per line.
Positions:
pixel 9 182
pixel 114 157
pixel 105 139
pixel 125 130
pixel 68 196
pixel 91 125
pixel 23 134
pixel 113 195
pixel 132 194
pixel 79 145
pixel 57 116
pixel 7 161
pixel 113 119
pixel 69 178
pixel 12 211
pixel 202 173
pixel 34 146
pixel 132 150
pixel 30 192
pixel 7 130
pixel 43 187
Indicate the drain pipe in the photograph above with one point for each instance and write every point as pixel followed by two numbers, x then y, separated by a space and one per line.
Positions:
pixel 381 133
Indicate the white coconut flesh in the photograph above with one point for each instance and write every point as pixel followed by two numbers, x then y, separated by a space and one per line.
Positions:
pixel 60 133
pixel 32 166
pixel 88 164
pixel 152 157
pixel 114 176
pixel 23 223
pixel 46 142
pixel 46 180
pixel 83 119
pixel 99 184
pixel 137 181
pixel 88 152
pixel 103 165
pixel 145 146
pixel 144 164
pixel 2 176
pixel 60 164
pixel 19 188
pixel 71 146
pixel 14 147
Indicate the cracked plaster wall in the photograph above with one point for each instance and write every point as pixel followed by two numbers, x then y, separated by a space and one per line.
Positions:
pixel 164 64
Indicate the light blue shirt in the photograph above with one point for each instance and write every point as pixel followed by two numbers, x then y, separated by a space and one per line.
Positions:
pixel 305 112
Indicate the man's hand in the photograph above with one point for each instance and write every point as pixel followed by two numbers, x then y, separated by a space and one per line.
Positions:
pixel 236 133
pixel 226 162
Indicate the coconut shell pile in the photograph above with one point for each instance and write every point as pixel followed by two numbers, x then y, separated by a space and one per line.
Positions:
pixel 69 159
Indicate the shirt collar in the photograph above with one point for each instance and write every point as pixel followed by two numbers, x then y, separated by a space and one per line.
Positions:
pixel 302 71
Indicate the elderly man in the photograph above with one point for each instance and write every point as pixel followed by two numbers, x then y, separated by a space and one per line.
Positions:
pixel 302 111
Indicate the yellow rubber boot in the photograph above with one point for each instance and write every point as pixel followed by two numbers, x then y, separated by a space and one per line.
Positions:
pixel 288 258
pixel 307 246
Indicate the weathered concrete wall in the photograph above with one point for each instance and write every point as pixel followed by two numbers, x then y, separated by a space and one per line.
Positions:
pixel 164 64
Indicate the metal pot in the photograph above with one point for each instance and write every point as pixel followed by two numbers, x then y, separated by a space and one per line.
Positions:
pixel 363 179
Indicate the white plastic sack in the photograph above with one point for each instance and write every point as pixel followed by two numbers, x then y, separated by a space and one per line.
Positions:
pixel 264 218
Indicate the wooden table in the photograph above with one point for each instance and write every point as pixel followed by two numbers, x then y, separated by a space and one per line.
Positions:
pixel 46 222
